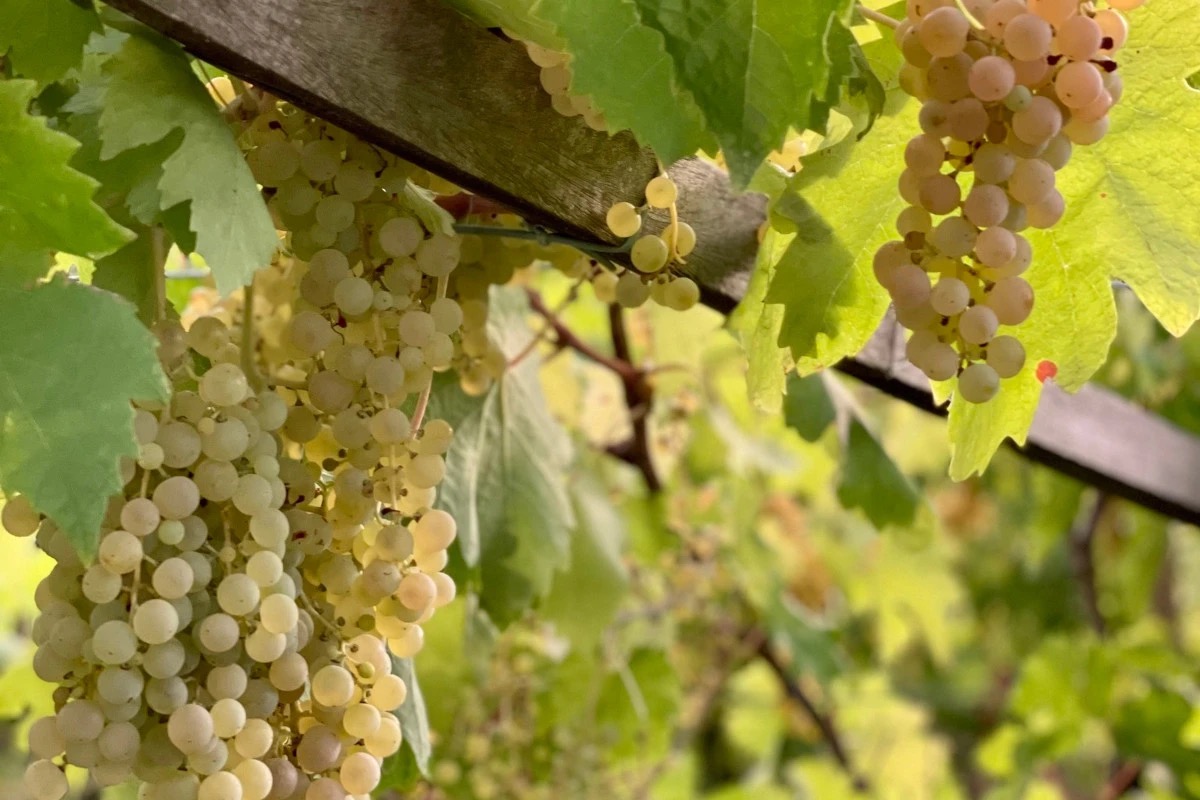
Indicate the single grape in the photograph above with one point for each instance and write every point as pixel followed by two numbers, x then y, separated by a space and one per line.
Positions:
pixel 949 296
pixel 624 220
pixel 650 254
pixel 978 324
pixel 978 383
pixel 1006 356
pixel 661 192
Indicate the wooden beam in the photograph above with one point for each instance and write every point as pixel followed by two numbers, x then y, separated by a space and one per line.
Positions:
pixel 416 78
pixel 426 83
pixel 1095 435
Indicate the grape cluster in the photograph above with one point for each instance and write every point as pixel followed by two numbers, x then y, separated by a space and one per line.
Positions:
pixel 652 255
pixel 276 543
pixel 555 78
pixel 194 655
pixel 275 540
pixel 1008 88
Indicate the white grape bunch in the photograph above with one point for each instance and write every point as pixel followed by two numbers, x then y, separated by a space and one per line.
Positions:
pixel 655 258
pixel 187 655
pixel 232 640
pixel 1006 93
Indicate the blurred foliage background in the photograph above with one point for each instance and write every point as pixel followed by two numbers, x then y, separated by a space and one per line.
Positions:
pixel 808 609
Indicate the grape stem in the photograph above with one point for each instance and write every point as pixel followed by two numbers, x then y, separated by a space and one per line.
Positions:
pixel 418 416
pixel 547 328
pixel 824 722
pixel 1081 539
pixel 565 338
pixel 674 212
pixel 319 617
pixel 975 23
pixel 876 16
pixel 380 343
pixel 542 237
pixel 639 398
pixel 249 366
pixel 639 393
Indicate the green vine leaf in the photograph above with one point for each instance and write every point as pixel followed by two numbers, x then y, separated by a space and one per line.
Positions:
pixel 619 61
pixel 872 482
pixel 757 325
pixel 45 38
pixel 130 272
pixel 824 279
pixel 808 409
pixel 45 205
pixel 152 93
pixel 65 392
pixel 505 472
pixel 755 67
pixel 585 596
pixel 515 16
pixel 403 769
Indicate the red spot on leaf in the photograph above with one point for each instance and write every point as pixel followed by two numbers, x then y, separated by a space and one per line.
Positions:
pixel 1046 369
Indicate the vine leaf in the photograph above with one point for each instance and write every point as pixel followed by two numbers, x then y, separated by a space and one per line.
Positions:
pixel 637 703
pixel 45 205
pixel 514 16
pixel 45 38
pixel 402 770
pixel 65 392
pixel 755 67
pixel 868 479
pixel 620 63
pixel 1132 198
pixel 871 481
pixel 808 409
pixel 505 472
pixel 757 325
pixel 130 272
pixel 585 596
pixel 152 93
pixel 1130 215
pixel 824 279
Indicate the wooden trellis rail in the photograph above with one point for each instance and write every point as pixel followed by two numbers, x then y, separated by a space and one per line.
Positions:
pixel 416 78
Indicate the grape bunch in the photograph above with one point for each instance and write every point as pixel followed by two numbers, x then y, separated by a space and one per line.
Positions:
pixel 194 654
pixel 276 537
pixel 277 542
pixel 1007 89
pixel 653 255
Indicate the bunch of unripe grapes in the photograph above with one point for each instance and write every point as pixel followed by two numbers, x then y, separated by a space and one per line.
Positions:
pixel 654 256
pixel 1008 88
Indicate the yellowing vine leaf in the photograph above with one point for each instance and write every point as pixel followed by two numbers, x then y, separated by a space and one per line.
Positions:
pixel 1131 214
pixel 1134 197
